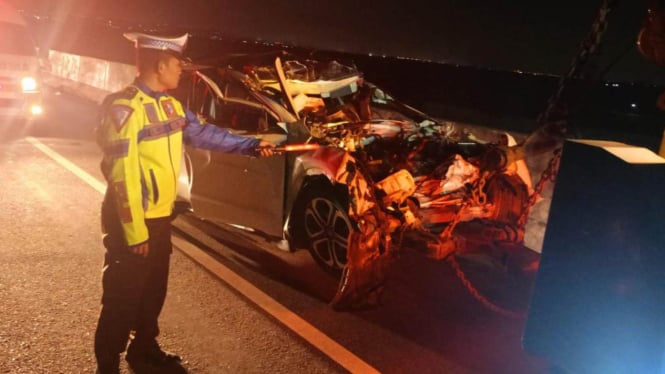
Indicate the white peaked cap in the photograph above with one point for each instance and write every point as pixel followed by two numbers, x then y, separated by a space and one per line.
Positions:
pixel 141 40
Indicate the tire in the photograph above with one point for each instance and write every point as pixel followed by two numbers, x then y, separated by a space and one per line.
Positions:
pixel 326 229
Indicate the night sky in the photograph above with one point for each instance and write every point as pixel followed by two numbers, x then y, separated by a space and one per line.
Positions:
pixel 533 36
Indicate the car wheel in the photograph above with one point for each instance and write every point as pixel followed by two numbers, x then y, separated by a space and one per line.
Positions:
pixel 327 227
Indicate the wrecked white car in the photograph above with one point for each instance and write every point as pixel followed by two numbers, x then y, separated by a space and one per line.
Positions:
pixel 359 175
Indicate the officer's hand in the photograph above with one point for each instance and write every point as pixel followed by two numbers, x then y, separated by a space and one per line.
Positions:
pixel 266 148
pixel 140 249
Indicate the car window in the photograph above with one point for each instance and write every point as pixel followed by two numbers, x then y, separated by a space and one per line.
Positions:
pixel 238 110
pixel 198 97
pixel 244 118
pixel 236 90
pixel 203 98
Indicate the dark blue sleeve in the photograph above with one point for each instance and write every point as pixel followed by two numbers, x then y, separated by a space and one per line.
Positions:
pixel 216 138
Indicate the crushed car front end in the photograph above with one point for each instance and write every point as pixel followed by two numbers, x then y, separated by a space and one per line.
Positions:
pixel 383 177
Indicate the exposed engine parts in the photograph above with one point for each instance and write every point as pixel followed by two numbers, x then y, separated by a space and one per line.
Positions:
pixel 413 181
pixel 430 183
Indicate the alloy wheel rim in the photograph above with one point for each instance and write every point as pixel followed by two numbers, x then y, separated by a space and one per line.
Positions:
pixel 328 230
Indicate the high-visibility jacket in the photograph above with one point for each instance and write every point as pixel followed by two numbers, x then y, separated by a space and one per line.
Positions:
pixel 141 135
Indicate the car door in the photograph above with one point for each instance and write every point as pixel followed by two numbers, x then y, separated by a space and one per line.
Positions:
pixel 238 189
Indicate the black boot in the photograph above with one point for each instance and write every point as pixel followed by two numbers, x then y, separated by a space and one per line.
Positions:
pixel 151 355
pixel 108 365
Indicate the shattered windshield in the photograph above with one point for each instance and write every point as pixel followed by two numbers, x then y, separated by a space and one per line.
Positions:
pixel 312 70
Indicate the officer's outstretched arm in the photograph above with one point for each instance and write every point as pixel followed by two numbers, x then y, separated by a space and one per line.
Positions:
pixel 216 138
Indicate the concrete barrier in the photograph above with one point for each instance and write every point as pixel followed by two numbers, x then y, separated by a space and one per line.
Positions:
pixel 87 77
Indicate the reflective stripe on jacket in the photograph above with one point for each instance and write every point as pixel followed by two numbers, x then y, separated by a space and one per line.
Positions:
pixel 142 144
pixel 141 135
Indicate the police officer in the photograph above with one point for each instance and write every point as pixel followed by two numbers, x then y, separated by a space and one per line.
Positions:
pixel 141 134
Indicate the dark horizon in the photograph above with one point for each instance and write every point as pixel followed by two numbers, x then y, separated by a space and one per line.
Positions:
pixel 520 36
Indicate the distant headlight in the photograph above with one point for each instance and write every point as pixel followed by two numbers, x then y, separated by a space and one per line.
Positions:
pixel 36 110
pixel 29 84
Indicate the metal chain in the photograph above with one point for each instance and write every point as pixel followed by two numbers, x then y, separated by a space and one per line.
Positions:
pixel 478 197
pixel 589 48
pixel 477 295
pixel 448 231
pixel 580 67
pixel 478 192
pixel 548 175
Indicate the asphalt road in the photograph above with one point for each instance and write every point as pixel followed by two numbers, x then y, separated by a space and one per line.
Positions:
pixel 51 257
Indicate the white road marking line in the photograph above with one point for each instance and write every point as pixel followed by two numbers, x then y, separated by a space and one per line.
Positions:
pixel 291 320
pixel 87 178
pixel 304 329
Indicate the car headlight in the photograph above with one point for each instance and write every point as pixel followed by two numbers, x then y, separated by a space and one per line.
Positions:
pixel 29 84
pixel 36 110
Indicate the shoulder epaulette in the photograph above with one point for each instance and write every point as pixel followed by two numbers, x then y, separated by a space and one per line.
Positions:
pixel 128 93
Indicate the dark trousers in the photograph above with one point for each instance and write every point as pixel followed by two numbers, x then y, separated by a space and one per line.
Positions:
pixel 134 289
